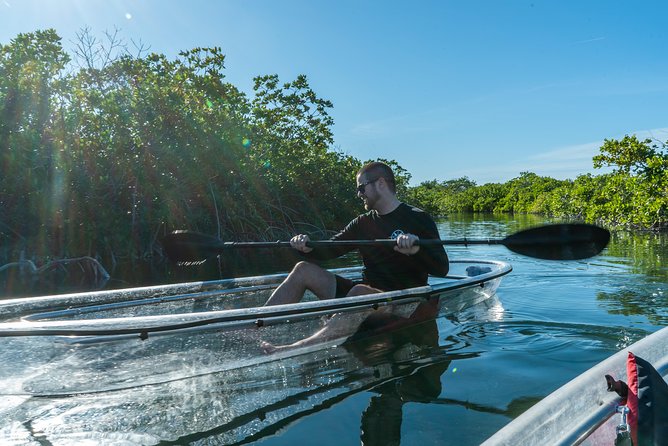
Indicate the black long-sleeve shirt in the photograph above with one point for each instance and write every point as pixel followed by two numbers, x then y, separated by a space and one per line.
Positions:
pixel 385 268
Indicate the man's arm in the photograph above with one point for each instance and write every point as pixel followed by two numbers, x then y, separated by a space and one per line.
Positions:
pixel 350 232
pixel 432 258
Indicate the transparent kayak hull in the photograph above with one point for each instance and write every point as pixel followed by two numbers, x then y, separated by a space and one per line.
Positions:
pixel 248 404
pixel 109 340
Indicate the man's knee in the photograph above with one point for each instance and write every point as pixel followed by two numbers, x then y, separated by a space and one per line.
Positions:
pixel 361 289
pixel 309 272
pixel 305 268
pixel 315 278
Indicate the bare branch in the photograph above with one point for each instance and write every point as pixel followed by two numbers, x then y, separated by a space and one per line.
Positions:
pixel 115 47
pixel 141 48
pixel 92 53
pixel 86 49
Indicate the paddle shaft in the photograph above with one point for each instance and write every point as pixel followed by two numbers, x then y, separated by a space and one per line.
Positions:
pixel 377 242
pixel 555 242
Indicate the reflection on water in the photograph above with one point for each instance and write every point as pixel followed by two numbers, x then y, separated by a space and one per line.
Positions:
pixel 631 274
pixel 645 260
pixel 648 302
pixel 645 253
pixel 413 381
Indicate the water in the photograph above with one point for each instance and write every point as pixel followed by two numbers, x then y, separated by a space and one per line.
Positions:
pixel 450 381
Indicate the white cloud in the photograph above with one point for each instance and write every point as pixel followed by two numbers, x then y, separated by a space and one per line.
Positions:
pixel 423 121
pixel 562 163
pixel 595 39
pixel 565 157
pixel 660 134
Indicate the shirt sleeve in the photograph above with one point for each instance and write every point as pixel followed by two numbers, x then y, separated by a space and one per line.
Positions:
pixel 350 232
pixel 432 258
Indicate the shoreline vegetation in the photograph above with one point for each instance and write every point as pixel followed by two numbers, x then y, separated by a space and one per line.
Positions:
pixel 103 151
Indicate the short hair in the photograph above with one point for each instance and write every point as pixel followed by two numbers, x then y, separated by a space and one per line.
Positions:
pixel 377 170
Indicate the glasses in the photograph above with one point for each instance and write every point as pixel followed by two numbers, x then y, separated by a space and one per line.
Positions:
pixel 362 187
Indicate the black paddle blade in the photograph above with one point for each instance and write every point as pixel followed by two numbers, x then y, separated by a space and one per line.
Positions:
pixel 186 247
pixel 559 242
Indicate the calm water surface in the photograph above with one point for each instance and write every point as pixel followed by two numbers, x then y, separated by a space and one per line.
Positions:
pixel 450 381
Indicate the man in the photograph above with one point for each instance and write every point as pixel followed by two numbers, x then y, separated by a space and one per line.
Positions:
pixel 404 265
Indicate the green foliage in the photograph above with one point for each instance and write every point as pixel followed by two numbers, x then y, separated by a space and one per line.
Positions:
pixel 523 194
pixel 103 160
pixel 440 198
pixel 634 195
pixel 426 196
pixel 638 188
pixel 631 156
pixel 31 78
pixel 483 198
pixel 291 137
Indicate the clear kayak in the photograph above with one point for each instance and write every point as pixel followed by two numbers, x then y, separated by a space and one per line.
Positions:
pixel 583 411
pixel 116 339
pixel 248 404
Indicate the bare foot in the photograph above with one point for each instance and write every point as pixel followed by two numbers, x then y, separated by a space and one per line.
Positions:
pixel 271 348
pixel 267 347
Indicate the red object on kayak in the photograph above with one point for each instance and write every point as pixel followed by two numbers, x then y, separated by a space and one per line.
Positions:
pixel 647 402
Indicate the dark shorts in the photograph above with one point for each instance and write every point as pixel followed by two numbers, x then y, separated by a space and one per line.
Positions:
pixel 343 286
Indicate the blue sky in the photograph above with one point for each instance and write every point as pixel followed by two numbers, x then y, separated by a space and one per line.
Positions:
pixel 484 89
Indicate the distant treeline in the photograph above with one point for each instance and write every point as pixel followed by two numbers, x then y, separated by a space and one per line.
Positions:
pixel 103 151
pixel 634 195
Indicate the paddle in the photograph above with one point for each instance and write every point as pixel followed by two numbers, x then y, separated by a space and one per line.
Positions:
pixel 551 242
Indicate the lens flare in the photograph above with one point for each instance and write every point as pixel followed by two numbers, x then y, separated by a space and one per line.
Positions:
pixel 245 142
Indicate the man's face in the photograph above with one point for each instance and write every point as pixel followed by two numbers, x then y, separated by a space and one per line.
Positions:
pixel 366 190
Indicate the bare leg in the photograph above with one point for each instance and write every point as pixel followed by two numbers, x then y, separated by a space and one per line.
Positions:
pixel 337 325
pixel 361 289
pixel 304 276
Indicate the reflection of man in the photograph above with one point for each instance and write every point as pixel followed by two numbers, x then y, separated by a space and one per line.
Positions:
pixel 381 421
pixel 405 265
